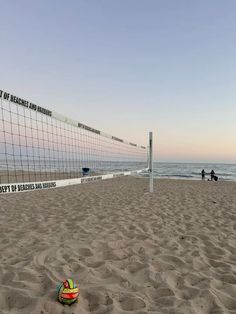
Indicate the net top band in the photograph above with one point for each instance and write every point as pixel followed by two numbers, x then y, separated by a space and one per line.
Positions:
pixel 27 104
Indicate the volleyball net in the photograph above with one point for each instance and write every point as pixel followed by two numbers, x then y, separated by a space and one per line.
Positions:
pixel 40 148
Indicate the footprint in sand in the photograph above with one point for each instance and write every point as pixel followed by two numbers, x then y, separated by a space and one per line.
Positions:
pixel 173 260
pixel 103 272
pixel 224 287
pixel 96 300
pixel 85 252
pixel 95 264
pixel 131 303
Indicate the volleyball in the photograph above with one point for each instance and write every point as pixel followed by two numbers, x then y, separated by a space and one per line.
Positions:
pixel 67 292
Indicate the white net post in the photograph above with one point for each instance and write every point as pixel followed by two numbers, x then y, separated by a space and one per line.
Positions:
pixel 150 163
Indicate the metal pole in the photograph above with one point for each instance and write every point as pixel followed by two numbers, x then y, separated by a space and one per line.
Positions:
pixel 150 164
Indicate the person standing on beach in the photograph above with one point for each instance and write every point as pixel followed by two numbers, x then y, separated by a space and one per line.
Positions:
pixel 203 174
pixel 212 173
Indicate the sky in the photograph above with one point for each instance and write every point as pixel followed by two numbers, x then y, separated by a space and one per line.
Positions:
pixel 128 67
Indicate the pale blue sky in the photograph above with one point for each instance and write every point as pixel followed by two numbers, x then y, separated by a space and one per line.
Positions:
pixel 130 66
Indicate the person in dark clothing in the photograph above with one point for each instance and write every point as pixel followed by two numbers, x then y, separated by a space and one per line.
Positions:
pixel 212 173
pixel 215 178
pixel 203 174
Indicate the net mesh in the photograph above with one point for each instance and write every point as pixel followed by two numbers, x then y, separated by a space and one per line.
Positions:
pixel 36 145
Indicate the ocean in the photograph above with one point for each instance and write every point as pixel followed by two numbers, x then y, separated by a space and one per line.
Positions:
pixel 192 171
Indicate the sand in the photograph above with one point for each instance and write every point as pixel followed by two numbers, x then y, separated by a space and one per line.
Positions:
pixel 173 251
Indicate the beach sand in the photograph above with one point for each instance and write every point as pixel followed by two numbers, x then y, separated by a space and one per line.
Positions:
pixel 173 251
